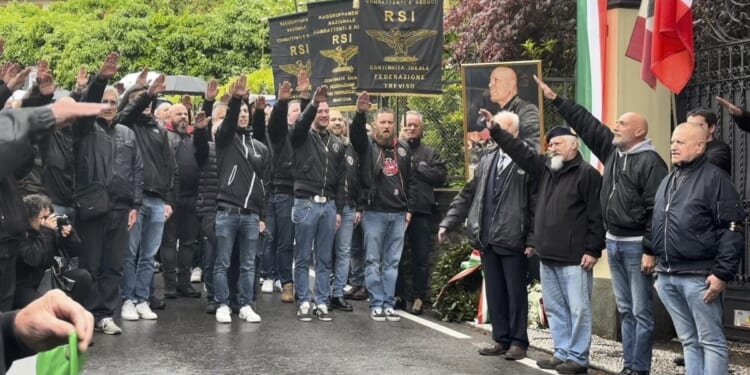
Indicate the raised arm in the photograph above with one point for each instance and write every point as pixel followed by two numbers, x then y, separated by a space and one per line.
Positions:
pixel 358 127
pixel 305 120
pixel 519 151
pixel 228 128
pixel 278 129
pixel 259 120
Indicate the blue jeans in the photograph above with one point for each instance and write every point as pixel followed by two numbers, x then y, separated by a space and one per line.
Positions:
pixel 698 324
pixel 566 292
pixel 342 245
pixel 634 298
pixel 384 242
pixel 277 254
pixel 314 227
pixel 143 243
pixel 244 228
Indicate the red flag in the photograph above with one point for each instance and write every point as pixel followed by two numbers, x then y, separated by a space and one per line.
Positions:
pixel 639 47
pixel 672 54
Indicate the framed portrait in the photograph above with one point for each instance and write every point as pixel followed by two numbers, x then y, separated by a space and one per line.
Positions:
pixel 494 87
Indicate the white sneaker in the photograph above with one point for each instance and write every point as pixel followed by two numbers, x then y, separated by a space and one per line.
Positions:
pixel 196 275
pixel 108 326
pixel 267 286
pixel 348 289
pixel 144 311
pixel 224 314
pixel 277 286
pixel 305 312
pixel 250 316
pixel 128 311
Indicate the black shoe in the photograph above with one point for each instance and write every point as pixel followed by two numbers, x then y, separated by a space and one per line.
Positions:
pixel 399 304
pixel 189 292
pixel 515 353
pixel 170 294
pixel 679 361
pixel 627 371
pixel 496 349
pixel 549 364
pixel 570 367
pixel 357 294
pixel 156 303
pixel 211 307
pixel 339 303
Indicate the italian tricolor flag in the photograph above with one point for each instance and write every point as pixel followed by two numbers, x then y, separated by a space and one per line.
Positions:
pixel 592 28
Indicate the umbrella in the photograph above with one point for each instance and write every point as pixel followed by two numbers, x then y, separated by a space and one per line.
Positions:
pixel 177 84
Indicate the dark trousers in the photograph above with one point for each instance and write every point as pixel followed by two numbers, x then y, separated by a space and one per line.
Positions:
pixel 507 298
pixel 104 241
pixel 79 292
pixel 183 225
pixel 418 236
pixel 208 246
pixel 8 256
pixel 357 260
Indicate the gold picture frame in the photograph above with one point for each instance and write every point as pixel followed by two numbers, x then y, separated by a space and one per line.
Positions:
pixel 475 79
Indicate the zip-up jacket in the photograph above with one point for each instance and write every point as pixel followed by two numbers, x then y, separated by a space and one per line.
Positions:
pixel 244 165
pixel 696 208
pixel 280 143
pixel 160 177
pixel 36 254
pixel 568 217
pixel 429 172
pixel 513 217
pixel 351 182
pixel 719 154
pixel 107 154
pixel 208 181
pixel 59 167
pixel 187 167
pixel 318 160
pixel 374 182
pixel 630 177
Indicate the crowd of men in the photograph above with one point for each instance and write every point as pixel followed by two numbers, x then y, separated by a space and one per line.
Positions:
pixel 245 190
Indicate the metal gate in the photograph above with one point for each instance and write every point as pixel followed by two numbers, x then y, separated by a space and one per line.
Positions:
pixel 722 68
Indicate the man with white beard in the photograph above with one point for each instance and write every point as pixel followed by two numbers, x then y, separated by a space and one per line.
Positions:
pixel 570 239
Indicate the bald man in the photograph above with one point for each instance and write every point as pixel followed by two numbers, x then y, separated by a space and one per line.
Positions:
pixel 183 225
pixel 698 241
pixel 632 173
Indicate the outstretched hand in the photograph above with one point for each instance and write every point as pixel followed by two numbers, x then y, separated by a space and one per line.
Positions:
pixel 285 90
pixel 239 89
pixel 158 86
pixel 109 68
pixel 18 79
pixel 548 93
pixel 733 109
pixel 303 82
pixel 46 84
pixel 82 79
pixel 321 94
pixel 201 121
pixel 142 78
pixel 363 102
pixel 212 89
pixel 487 116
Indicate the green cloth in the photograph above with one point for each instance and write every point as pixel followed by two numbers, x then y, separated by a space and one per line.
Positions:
pixel 63 360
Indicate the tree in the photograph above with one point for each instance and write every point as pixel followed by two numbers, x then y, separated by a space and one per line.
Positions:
pixel 503 30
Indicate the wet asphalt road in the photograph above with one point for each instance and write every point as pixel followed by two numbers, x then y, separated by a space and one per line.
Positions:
pixel 186 340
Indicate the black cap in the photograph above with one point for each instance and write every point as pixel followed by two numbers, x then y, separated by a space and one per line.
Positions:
pixel 560 130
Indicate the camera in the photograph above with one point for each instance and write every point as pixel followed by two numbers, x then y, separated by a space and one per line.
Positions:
pixel 62 220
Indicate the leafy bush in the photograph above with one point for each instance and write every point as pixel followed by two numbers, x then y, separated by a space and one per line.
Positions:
pixel 460 299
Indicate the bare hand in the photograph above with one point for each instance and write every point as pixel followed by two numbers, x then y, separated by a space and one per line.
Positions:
pixel 260 103
pixel 201 121
pixel 42 67
pixel 46 84
pixel 548 93
pixel 167 211
pixel 120 87
pixel 225 98
pixel 529 252
pixel 110 66
pixel 132 218
pixel 715 287
pixel 261 226
pixel 142 79
pixel 303 82
pixel 487 116
pixel 363 102
pixel 158 86
pixel 588 262
pixel 212 89
pixel 443 235
pixel 285 90
pixel 239 89
pixel 733 109
pixel 357 218
pixel 9 71
pixel 50 222
pixel 17 82
pixel 321 94
pixel 66 230
pixel 48 321
pixel 82 79
pixel 648 263
pixel 408 220
pixel 4 70
pixel 187 101
pixel 64 112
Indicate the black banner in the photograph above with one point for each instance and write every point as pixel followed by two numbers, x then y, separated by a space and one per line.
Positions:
pixel 334 31
pixel 290 52
pixel 401 47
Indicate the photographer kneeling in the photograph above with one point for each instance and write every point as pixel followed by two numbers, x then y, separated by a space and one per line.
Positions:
pixel 49 237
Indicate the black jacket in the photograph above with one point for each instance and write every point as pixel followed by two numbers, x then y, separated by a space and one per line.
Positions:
pixel 36 254
pixel 244 164
pixel 108 154
pixel 630 178
pixel 568 217
pixel 11 347
pixel 160 177
pixel 512 227
pixel 429 172
pixel 318 160
pixel 371 171
pixel 720 155
pixel 208 181
pixel 19 129
pixel 280 143
pixel 187 167
pixel 696 205
pixel 351 181
pixel 59 167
